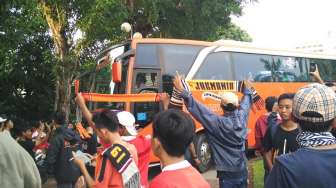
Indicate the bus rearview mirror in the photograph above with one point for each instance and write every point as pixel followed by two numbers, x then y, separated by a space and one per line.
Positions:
pixel 116 71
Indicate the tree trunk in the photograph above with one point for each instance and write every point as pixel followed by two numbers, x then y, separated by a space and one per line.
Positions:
pixel 64 91
pixel 57 22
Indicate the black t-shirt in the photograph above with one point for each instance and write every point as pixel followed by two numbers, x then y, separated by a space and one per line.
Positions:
pixel 28 145
pixel 279 139
pixel 92 144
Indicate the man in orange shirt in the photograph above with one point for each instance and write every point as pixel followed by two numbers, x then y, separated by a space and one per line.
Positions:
pixel 117 164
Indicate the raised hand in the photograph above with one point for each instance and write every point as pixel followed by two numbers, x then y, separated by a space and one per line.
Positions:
pixel 248 84
pixel 178 83
pixel 80 99
pixel 316 75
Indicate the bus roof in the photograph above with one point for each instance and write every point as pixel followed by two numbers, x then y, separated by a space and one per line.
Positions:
pixel 237 46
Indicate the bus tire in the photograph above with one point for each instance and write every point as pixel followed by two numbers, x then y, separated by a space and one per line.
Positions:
pixel 203 152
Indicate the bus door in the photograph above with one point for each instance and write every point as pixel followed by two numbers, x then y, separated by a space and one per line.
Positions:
pixel 146 81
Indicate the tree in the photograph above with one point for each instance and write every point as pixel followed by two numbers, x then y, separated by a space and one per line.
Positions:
pixel 189 19
pixel 26 77
pixel 99 22
pixel 231 32
pixel 80 28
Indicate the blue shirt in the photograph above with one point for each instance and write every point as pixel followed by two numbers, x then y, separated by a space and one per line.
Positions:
pixel 307 167
pixel 226 134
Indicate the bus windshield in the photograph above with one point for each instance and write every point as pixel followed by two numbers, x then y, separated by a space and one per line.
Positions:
pixel 168 58
pixel 103 79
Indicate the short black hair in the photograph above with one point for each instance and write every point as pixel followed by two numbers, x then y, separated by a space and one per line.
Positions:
pixel 106 119
pixel 24 127
pixel 228 107
pixel 175 130
pixel 59 118
pixel 315 127
pixel 269 103
pixel 330 84
pixel 286 96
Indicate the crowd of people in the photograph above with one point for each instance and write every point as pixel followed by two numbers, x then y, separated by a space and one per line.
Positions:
pixel 296 134
pixel 105 150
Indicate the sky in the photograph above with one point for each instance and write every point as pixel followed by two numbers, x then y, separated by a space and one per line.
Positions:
pixel 289 23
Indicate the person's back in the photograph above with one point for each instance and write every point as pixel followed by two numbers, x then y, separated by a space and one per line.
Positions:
pixel 60 152
pixel 58 158
pixel 226 133
pixel 141 143
pixel 179 177
pixel 111 177
pixel 227 140
pixel 264 121
pixel 18 169
pixel 296 168
pixel 143 147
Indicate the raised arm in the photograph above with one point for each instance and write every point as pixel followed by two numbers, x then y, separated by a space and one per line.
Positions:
pixel 316 76
pixel 201 113
pixel 246 102
pixel 86 112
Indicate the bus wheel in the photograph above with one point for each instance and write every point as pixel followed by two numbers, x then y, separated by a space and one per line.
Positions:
pixel 203 152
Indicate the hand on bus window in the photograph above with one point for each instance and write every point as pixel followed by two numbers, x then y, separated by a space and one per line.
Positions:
pixel 178 83
pixel 316 75
pixel 80 99
pixel 248 84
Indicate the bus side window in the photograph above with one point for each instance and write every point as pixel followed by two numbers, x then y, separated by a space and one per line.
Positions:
pixel 216 66
pixel 327 69
pixel 145 82
pixel 269 68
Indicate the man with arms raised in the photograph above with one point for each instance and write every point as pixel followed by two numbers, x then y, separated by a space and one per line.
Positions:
pixel 226 133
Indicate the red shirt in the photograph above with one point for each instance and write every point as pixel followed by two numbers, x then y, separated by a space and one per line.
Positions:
pixel 260 131
pixel 143 147
pixel 179 175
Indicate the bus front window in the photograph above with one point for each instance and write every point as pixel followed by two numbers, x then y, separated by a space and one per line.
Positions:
pixel 168 58
pixel 102 82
